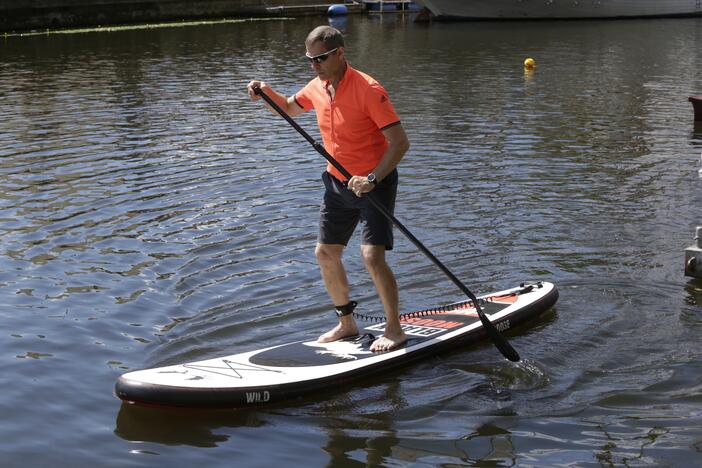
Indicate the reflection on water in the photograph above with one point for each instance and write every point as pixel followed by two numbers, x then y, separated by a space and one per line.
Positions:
pixel 197 428
pixel 149 214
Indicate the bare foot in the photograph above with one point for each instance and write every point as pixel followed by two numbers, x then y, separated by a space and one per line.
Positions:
pixel 342 330
pixel 388 341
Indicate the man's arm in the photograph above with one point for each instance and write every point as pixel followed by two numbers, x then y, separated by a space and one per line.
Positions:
pixel 288 104
pixel 398 144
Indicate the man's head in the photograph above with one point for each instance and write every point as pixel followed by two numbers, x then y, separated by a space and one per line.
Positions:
pixel 325 51
pixel 330 37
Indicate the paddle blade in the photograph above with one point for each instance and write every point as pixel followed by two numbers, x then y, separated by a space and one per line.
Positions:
pixel 499 341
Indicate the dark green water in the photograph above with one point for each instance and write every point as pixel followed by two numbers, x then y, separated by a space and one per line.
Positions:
pixel 150 214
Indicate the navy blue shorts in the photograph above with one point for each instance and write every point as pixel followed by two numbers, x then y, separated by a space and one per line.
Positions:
pixel 341 211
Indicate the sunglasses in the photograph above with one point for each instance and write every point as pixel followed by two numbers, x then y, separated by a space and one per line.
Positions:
pixel 321 57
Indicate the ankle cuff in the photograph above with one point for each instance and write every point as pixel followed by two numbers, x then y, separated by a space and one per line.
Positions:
pixel 345 309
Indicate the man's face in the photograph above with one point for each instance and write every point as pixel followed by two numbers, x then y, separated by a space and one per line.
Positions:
pixel 326 63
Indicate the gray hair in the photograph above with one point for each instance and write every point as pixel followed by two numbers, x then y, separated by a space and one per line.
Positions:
pixel 330 37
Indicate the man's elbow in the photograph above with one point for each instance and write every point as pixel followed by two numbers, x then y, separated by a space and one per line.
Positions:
pixel 397 138
pixel 404 145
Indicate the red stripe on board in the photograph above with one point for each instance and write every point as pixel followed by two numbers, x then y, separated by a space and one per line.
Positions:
pixel 509 299
pixel 426 322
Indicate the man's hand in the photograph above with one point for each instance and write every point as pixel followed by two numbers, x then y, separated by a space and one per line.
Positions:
pixel 360 185
pixel 256 84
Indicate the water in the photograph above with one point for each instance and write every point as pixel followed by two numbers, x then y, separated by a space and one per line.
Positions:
pixel 150 214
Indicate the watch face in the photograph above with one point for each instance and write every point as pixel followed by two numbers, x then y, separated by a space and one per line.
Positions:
pixel 371 177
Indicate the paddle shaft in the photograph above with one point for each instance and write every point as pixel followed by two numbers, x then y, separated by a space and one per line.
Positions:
pixel 500 342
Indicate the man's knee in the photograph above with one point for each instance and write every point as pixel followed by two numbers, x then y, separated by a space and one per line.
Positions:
pixel 373 256
pixel 328 253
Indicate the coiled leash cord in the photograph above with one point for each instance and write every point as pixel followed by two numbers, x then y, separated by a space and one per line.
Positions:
pixel 349 309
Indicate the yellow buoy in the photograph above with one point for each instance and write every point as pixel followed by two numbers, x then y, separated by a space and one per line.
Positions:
pixel 529 63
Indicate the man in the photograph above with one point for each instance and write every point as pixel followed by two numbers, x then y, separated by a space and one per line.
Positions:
pixel 361 130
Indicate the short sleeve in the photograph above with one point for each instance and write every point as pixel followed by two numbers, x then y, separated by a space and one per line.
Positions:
pixel 303 98
pixel 379 107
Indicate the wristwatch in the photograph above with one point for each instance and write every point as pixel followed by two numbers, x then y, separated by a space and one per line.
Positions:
pixel 372 179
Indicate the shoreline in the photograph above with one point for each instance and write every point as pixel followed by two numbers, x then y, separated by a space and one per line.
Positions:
pixel 27 17
pixel 138 26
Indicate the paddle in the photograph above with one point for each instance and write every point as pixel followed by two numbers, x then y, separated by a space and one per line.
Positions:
pixel 500 342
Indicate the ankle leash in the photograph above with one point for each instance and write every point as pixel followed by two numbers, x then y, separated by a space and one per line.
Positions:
pixel 347 309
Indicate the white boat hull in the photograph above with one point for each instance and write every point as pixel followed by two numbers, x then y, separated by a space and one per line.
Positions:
pixel 560 9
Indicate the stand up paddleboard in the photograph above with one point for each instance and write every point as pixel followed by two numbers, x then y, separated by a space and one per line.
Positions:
pixel 290 370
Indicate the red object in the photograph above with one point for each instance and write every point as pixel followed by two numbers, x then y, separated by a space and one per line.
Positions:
pixel 697 106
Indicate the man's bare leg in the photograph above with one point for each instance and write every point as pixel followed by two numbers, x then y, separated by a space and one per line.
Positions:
pixel 337 284
pixel 385 284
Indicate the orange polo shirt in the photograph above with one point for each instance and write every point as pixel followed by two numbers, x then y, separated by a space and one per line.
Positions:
pixel 351 124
